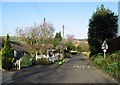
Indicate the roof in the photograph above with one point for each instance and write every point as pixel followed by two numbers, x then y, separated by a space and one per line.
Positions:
pixel 17 46
pixel 1 43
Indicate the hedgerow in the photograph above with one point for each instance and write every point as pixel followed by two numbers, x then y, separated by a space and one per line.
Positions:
pixel 110 64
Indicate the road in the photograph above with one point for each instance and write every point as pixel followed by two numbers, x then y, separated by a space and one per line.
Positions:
pixel 77 70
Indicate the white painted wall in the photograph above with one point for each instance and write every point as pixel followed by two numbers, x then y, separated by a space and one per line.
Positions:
pixel 15 53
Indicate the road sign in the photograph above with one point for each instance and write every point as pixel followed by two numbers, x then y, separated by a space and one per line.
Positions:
pixel 104 50
pixel 104 47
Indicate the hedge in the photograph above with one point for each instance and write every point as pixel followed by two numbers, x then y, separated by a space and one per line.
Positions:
pixel 111 64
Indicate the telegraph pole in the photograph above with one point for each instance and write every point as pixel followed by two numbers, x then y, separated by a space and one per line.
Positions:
pixel 44 21
pixel 63 39
pixel 43 30
pixel 63 33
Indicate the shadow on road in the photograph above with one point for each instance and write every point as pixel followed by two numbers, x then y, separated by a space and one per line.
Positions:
pixel 82 59
pixel 45 70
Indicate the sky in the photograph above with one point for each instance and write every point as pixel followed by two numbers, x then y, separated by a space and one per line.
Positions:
pixel 73 15
pixel 119 19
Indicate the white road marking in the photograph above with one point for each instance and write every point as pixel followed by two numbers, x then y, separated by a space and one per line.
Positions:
pixel 74 66
pixel 113 79
pixel 88 66
pixel 83 66
pixel 77 66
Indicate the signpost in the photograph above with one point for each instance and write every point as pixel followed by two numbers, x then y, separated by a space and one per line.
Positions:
pixel 104 47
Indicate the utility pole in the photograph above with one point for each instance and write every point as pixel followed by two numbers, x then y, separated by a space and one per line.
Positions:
pixel 63 33
pixel 44 21
pixel 63 39
pixel 43 30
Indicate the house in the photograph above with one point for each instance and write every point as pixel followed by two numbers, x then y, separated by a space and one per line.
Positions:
pixel 1 46
pixel 17 46
pixel 49 56
pixel 19 50
pixel 1 43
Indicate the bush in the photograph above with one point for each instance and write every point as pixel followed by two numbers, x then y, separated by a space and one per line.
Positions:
pixel 84 47
pixel 113 44
pixel 33 60
pixel 27 60
pixel 67 55
pixel 87 54
pixel 70 46
pixel 111 64
pixel 8 59
pixel 113 69
pixel 99 59
pixel 43 61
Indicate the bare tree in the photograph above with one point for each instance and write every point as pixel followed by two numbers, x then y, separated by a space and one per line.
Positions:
pixel 35 35
pixel 47 30
pixel 70 37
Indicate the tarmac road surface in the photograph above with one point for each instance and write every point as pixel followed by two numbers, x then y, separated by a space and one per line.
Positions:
pixel 77 70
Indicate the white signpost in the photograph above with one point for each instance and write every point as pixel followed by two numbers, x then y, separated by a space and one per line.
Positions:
pixel 104 47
